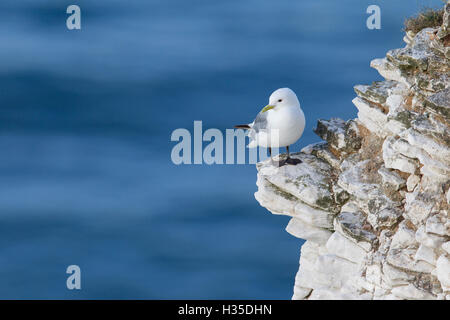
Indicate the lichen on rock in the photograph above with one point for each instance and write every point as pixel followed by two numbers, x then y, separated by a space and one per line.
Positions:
pixel 372 200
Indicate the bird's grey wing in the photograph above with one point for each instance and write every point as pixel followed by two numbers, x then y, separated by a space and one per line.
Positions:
pixel 260 122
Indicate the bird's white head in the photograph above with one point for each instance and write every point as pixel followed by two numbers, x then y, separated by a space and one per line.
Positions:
pixel 283 97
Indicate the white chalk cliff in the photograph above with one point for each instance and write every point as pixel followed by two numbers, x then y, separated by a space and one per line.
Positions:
pixel 372 200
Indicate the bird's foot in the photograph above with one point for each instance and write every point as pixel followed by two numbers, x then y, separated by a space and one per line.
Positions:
pixel 277 164
pixel 280 163
pixel 292 161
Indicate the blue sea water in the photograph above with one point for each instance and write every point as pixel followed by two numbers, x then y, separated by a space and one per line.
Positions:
pixel 85 122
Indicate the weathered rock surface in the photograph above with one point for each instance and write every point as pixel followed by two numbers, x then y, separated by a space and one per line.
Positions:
pixel 372 201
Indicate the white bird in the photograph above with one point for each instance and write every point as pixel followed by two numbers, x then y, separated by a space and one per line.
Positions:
pixel 279 124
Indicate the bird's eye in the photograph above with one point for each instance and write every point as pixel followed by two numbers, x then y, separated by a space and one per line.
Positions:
pixel 280 100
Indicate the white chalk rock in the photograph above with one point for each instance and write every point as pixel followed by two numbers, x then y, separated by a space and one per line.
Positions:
pixel 426 254
pixel 340 246
pixel 393 276
pixel 315 217
pixel 391 178
pixel 428 239
pixel 333 271
pixel 417 208
pixel 404 237
pixel 438 224
pixel 411 292
pixel 396 160
pixel 298 228
pixel 388 71
pixel 412 182
pixel 373 118
pixel 446 247
pixel 443 272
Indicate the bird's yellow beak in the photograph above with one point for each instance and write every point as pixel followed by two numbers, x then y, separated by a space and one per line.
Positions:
pixel 267 108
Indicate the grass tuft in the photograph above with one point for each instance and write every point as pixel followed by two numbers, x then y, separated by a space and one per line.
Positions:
pixel 427 18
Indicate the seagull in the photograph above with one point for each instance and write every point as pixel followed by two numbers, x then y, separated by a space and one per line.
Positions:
pixel 279 124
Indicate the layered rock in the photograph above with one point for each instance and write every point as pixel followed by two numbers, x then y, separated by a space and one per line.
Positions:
pixel 372 200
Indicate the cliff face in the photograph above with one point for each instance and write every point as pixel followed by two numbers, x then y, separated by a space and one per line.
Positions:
pixel 372 200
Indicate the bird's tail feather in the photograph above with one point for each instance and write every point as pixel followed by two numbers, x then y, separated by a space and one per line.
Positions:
pixel 242 126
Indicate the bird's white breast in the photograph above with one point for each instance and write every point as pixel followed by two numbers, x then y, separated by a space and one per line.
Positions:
pixel 289 123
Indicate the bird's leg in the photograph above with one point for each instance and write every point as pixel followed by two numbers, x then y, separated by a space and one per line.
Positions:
pixel 281 163
pixel 278 163
pixel 270 155
pixel 290 160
